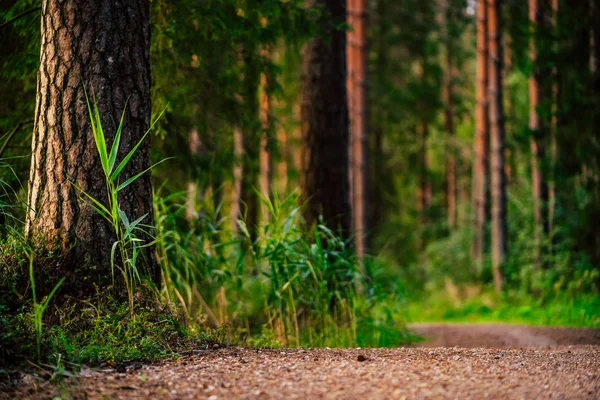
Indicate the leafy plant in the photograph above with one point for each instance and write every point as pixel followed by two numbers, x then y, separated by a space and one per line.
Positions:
pixel 39 308
pixel 127 232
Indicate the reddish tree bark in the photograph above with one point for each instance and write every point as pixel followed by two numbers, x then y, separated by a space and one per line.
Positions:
pixel 106 47
pixel 498 178
pixel 480 146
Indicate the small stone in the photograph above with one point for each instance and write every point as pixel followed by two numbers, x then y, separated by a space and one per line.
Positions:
pixel 361 358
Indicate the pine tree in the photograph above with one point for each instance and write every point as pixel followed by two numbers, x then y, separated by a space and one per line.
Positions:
pixel 104 47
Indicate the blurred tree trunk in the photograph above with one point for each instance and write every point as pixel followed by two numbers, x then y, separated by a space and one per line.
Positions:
pixel 266 168
pixel 449 116
pixel 554 123
pixel 104 46
pixel 357 105
pixel 537 142
pixel 195 191
pixel 376 152
pixel 424 186
pixel 324 122
pixel 282 164
pixel 498 179
pixel 236 189
pixel 480 162
pixel 251 144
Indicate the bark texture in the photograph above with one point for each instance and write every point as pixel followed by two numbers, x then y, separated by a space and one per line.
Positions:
pixel 357 104
pixel 479 180
pixel 104 46
pixel 498 178
pixel 324 126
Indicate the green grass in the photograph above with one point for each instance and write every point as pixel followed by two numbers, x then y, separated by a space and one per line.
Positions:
pixel 293 286
pixel 560 310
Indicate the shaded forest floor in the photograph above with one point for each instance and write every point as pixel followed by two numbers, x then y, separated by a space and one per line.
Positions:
pixel 467 361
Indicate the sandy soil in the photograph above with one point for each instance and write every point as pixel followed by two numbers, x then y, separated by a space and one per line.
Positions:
pixel 494 361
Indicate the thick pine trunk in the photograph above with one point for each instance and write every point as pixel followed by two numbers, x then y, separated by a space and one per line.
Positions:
pixel 498 179
pixel 479 179
pixel 537 142
pixel 357 104
pixel 324 122
pixel 104 46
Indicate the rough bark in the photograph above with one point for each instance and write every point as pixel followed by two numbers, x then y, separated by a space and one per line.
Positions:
pixel 498 178
pixel 479 179
pixel 324 126
pixel 537 142
pixel 357 104
pixel 103 46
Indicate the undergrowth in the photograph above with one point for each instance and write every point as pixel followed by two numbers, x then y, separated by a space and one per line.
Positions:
pixel 100 331
pixel 292 286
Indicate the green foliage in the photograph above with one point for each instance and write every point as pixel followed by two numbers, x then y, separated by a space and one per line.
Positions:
pixel 128 242
pixel 293 286
pixel 100 331
pixel 39 308
pixel 563 310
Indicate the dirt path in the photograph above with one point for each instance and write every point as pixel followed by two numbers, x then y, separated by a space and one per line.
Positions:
pixel 566 366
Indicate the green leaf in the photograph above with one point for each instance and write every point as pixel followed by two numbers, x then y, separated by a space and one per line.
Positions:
pixel 135 177
pixel 125 160
pixel 112 158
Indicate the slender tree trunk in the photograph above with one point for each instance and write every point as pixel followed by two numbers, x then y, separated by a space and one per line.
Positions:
pixel 449 118
pixel 251 141
pixel 424 188
pixel 554 126
pixel 282 163
pixel 376 162
pixel 324 126
pixel 357 102
pixel 498 179
pixel 236 189
pixel 265 145
pixel 538 150
pixel 104 46
pixel 480 168
pixel 195 191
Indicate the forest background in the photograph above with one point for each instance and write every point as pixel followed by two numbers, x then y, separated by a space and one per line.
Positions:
pixel 472 162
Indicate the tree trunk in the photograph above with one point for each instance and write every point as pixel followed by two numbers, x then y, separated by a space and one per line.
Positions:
pixel 104 46
pixel 554 125
pixel 265 148
pixel 357 104
pixel 537 145
pixel 480 168
pixel 498 179
pixel 324 122
pixel 236 188
pixel 195 191
pixel 449 118
pixel 251 140
pixel 424 189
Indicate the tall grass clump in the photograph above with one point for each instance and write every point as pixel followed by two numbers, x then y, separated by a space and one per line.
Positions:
pixel 128 243
pixel 292 286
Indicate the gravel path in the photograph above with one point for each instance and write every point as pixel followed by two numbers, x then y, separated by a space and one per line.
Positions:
pixel 566 366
